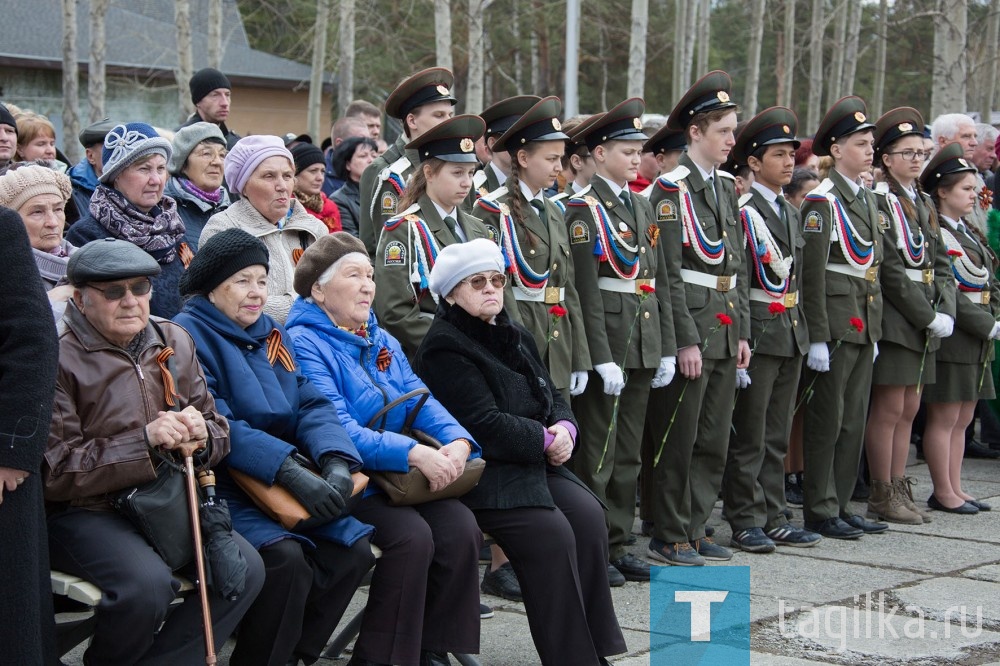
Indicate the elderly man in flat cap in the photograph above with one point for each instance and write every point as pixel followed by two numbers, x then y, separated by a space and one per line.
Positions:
pixel 112 424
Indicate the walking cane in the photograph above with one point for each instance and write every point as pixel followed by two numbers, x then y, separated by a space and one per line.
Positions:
pixel 199 554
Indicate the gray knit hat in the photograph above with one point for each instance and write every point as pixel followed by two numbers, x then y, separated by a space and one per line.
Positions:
pixel 187 139
pixel 126 144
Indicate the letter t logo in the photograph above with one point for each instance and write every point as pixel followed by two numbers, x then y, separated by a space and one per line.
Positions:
pixel 701 611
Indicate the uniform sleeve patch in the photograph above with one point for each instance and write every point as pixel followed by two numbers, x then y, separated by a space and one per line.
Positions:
pixel 493 233
pixel 579 232
pixel 813 223
pixel 666 211
pixel 395 254
pixel 388 202
pixel 883 221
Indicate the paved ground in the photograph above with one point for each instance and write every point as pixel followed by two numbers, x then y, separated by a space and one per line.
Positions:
pixel 822 605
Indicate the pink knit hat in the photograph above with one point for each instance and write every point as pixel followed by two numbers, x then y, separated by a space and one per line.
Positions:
pixel 23 182
pixel 247 155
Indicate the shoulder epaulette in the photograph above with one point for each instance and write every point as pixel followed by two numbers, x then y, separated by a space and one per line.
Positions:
pixel 478 179
pixel 823 188
pixel 680 172
pixel 496 194
pixel 393 222
pixel 745 199
pixel 579 195
pixel 400 166
pixel 881 188
pixel 726 174
pixel 558 197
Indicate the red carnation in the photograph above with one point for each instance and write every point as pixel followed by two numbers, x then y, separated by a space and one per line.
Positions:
pixel 776 308
pixel 955 253
pixel 557 311
pixel 858 325
pixel 647 289
pixel 724 319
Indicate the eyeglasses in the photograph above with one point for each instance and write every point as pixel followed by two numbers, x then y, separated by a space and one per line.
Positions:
pixel 908 155
pixel 116 292
pixel 478 282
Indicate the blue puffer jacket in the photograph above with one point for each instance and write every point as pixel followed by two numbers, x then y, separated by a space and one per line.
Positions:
pixel 272 413
pixel 343 366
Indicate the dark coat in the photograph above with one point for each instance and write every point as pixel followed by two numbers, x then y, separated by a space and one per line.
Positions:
pixel 272 413
pixel 348 199
pixel 491 378
pixel 28 358
pixel 231 136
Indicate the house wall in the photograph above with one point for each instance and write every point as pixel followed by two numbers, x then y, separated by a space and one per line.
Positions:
pixel 266 111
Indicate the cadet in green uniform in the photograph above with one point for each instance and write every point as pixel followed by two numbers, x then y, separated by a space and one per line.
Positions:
pixel 620 277
pixel 577 162
pixel 499 118
pixel 918 295
pixel 963 376
pixel 754 483
pixel 842 302
pixel 535 242
pixel 429 219
pixel 421 102
pixel 698 213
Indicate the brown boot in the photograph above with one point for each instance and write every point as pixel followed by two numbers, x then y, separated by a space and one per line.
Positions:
pixel 885 503
pixel 904 488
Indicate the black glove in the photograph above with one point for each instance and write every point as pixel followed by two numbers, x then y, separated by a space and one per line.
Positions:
pixel 338 475
pixel 313 492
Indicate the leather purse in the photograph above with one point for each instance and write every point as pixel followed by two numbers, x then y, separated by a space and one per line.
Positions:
pixel 412 487
pixel 281 506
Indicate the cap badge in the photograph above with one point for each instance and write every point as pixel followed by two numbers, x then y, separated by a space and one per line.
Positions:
pixel 443 90
pixel 904 127
pixel 962 161
pixel 723 96
pixel 860 117
pixel 556 125
pixel 467 145
pixel 786 129
pixel 636 123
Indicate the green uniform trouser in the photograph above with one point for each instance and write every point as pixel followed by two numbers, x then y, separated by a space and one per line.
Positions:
pixel 616 482
pixel 834 430
pixel 753 487
pixel 687 480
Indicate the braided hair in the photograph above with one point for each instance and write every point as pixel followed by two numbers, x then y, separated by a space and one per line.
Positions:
pixel 517 211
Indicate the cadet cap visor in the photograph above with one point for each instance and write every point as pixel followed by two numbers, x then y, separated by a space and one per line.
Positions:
pixel 849 115
pixel 424 87
pixel 539 123
pixel 454 140
pixel 895 124
pixel 950 159
pixel 777 124
pixel 709 93
pixel 501 116
pixel 665 140
pixel 622 123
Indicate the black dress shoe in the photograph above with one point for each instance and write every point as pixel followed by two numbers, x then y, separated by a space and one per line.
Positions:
pixel 502 582
pixel 974 449
pixel 632 567
pixel 965 509
pixel 793 489
pixel 979 504
pixel 615 577
pixel 428 658
pixel 866 526
pixel 834 528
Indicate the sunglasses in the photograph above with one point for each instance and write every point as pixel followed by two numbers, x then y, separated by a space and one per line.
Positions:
pixel 116 292
pixel 478 282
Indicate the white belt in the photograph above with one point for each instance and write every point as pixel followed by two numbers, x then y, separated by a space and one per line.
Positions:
pixel 716 282
pixel 926 275
pixel 549 295
pixel 870 274
pixel 978 297
pixel 623 286
pixel 788 300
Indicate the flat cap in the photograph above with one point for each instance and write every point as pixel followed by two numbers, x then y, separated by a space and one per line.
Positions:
pixel 539 123
pixel 94 134
pixel 430 85
pixel 454 140
pixel 109 259
pixel 622 123
pixel 895 124
pixel 848 115
pixel 777 124
pixel 950 159
pixel 709 93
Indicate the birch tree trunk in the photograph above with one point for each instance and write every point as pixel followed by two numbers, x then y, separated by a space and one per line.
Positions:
pixel 993 67
pixel 690 22
pixel 96 81
pixel 515 33
pixel 880 55
pixel 442 33
pixel 571 99
pixel 753 55
pixel 345 69
pixel 836 74
pixel 948 92
pixel 704 34
pixel 474 90
pixel 70 83
pixel 816 28
pixel 215 34
pixel 185 66
pixel 851 53
pixel 315 111
pixel 788 73
pixel 681 10
pixel 637 50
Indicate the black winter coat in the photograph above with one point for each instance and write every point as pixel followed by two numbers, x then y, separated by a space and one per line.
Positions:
pixel 491 379
pixel 29 355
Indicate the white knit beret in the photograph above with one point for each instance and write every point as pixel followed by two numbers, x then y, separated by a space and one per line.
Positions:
pixel 459 261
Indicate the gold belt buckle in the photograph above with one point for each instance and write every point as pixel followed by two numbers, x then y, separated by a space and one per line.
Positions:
pixel 724 283
pixel 984 298
pixel 871 274
pixel 551 295
pixel 791 300
pixel 641 283
pixel 927 275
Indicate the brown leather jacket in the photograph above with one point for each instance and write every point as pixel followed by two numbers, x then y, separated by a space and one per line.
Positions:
pixel 97 444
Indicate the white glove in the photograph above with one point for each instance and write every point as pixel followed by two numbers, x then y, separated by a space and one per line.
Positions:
pixel 995 333
pixel 742 378
pixel 819 357
pixel 665 373
pixel 942 326
pixel 577 382
pixel 614 380
pixel 875 353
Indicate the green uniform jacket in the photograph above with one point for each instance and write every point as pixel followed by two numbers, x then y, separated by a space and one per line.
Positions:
pixel 831 300
pixel 908 306
pixel 379 194
pixel 402 306
pixel 695 307
pixel 969 342
pixel 784 335
pixel 609 315
pixel 563 345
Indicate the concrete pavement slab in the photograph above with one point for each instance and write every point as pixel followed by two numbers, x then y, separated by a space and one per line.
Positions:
pixel 979 599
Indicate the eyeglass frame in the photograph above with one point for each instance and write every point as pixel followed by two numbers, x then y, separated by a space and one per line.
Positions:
pixel 492 279
pixel 926 154
pixel 125 288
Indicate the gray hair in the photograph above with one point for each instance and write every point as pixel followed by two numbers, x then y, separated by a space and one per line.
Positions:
pixel 986 133
pixel 946 126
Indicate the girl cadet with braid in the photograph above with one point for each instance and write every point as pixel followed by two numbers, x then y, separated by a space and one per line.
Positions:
pixel 918 293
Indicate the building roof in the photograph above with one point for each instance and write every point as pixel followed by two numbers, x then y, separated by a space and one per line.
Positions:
pixel 141 39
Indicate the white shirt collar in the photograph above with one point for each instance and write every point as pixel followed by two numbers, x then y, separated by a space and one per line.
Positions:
pixel 950 222
pixel 576 188
pixel 770 196
pixel 853 184
pixel 443 213
pixel 528 194
pixel 501 176
pixel 705 175
pixel 615 187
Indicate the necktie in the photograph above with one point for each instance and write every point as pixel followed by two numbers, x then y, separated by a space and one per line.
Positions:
pixel 455 229
pixel 623 195
pixel 540 209
pixel 715 192
pixel 781 208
